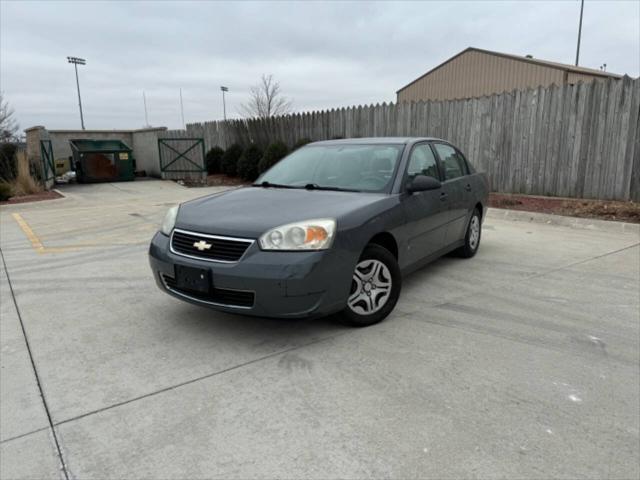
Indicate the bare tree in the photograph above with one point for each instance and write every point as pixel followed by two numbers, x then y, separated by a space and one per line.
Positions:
pixel 8 125
pixel 266 100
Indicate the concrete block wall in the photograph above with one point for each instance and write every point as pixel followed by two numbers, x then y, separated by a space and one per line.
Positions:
pixel 145 150
pixel 34 155
pixel 34 135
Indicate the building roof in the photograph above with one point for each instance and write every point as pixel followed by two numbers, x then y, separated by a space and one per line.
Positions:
pixel 545 63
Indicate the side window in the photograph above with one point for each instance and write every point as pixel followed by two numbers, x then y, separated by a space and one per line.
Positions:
pixel 422 162
pixel 452 163
pixel 470 169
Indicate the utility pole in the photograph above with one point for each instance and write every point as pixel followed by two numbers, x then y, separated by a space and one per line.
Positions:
pixel 224 106
pixel 579 31
pixel 78 61
pixel 182 110
pixel 146 115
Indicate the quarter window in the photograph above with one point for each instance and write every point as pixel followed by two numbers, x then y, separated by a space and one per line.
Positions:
pixel 452 162
pixel 422 162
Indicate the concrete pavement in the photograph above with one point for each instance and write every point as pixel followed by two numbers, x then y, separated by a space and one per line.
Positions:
pixel 522 362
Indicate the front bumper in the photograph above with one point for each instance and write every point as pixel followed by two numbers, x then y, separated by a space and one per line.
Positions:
pixel 285 284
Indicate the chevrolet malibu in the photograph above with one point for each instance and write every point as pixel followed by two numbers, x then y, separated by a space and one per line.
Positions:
pixel 332 227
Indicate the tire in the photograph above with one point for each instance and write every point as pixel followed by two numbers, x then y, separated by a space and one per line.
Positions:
pixel 375 288
pixel 472 236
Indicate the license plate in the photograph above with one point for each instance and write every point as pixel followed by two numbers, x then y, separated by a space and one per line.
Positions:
pixel 195 279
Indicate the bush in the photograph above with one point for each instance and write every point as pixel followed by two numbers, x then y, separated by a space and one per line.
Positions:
pixel 229 164
pixel 272 155
pixel 301 143
pixel 5 191
pixel 248 162
pixel 213 160
pixel 8 167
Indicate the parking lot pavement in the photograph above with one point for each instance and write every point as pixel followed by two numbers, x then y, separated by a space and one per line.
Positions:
pixel 521 362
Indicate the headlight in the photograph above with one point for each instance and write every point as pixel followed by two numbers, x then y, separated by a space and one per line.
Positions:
pixel 169 220
pixel 308 235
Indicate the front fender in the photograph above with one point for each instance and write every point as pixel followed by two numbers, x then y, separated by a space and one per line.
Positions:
pixel 356 230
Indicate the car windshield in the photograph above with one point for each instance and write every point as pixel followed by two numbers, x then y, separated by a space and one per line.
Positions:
pixel 367 168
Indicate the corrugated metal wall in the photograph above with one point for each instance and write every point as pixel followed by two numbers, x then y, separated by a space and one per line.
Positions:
pixel 574 77
pixel 475 74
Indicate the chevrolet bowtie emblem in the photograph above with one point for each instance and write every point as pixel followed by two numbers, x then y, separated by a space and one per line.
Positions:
pixel 202 245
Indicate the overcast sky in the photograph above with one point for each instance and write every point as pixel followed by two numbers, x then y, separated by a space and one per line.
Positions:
pixel 325 54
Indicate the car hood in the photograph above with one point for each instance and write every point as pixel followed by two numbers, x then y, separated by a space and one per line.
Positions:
pixel 251 211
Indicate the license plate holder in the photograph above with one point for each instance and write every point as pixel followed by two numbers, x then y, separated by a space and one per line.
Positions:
pixel 194 279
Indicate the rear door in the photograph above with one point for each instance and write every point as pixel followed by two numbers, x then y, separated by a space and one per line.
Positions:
pixel 426 213
pixel 455 186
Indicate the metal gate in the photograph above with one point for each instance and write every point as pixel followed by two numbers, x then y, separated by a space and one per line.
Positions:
pixel 48 163
pixel 182 157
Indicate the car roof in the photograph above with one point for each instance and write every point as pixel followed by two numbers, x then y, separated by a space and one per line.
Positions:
pixel 376 141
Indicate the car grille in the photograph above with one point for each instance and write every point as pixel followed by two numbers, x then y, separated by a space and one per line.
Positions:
pixel 219 296
pixel 222 249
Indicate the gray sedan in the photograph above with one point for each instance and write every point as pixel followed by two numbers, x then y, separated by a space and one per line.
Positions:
pixel 330 228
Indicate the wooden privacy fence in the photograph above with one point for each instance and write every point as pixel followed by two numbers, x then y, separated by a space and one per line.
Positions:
pixel 573 140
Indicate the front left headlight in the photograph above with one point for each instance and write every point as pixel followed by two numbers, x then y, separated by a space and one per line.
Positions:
pixel 314 234
pixel 169 220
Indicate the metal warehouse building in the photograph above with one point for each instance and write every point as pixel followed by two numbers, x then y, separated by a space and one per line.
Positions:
pixel 475 72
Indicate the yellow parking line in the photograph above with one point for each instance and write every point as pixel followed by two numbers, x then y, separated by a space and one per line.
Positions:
pixel 39 247
pixel 33 238
pixel 73 248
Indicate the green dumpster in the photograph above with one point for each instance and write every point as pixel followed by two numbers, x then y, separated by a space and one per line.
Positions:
pixel 102 160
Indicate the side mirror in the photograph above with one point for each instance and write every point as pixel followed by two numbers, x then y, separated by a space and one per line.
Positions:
pixel 422 183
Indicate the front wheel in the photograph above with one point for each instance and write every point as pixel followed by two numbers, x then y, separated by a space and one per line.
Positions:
pixel 375 287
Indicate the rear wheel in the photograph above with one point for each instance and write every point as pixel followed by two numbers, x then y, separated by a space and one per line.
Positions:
pixel 375 287
pixel 472 237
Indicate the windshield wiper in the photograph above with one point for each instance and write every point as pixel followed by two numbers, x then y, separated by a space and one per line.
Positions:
pixel 315 186
pixel 308 186
pixel 272 185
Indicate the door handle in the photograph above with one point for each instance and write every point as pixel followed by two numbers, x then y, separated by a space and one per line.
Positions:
pixel 443 196
pixel 468 187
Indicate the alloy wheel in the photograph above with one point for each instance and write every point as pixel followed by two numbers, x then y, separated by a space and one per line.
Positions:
pixel 370 287
pixel 474 232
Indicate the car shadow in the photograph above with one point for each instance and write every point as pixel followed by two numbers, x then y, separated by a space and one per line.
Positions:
pixel 202 323
pixel 433 269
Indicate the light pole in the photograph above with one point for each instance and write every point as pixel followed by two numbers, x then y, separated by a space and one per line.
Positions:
pixel 78 61
pixel 182 110
pixel 146 114
pixel 579 32
pixel 224 106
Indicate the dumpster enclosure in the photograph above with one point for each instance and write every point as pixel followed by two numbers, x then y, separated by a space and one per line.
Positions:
pixel 102 160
